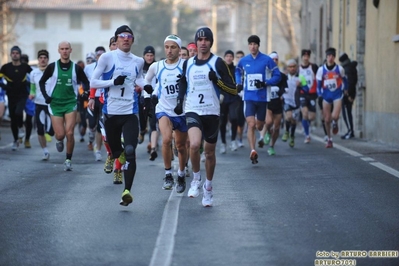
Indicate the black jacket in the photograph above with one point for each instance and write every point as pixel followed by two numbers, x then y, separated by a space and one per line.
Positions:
pixel 351 74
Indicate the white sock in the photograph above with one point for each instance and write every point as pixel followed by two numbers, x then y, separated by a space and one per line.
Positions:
pixel 197 176
pixel 181 173
pixel 208 184
pixel 168 171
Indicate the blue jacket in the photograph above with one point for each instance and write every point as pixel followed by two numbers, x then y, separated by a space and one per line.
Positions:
pixel 263 68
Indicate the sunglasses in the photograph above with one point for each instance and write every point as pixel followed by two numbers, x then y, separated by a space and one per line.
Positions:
pixel 124 35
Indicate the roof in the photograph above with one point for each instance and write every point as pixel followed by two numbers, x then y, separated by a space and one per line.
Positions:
pixel 93 5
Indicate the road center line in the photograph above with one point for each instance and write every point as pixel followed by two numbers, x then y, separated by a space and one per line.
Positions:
pixel 163 251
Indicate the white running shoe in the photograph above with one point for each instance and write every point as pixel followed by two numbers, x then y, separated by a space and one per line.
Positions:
pixel 207 198
pixel 67 165
pixel 187 171
pixel 15 145
pixel 222 148
pixel 59 145
pixel 193 192
pixel 21 133
pixel 240 144
pixel 46 156
pixel 234 145
pixel 98 156
pixel 203 157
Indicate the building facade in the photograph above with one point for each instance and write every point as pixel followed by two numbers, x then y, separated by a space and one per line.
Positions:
pixel 368 31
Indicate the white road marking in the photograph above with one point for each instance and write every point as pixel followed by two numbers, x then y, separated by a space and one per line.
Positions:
pixel 372 162
pixel 163 251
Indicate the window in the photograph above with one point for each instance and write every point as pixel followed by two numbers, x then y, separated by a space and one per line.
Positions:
pixel 77 52
pixel 105 21
pixel 39 46
pixel 75 20
pixel 40 20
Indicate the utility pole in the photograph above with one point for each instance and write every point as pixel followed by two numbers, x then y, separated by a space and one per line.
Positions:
pixel 175 16
pixel 215 26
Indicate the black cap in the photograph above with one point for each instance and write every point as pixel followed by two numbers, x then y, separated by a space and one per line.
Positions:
pixel 123 28
pixel 331 51
pixel 149 50
pixel 305 52
pixel 254 38
pixel 112 40
pixel 99 48
pixel 343 57
pixel 204 32
pixel 24 58
pixel 42 52
pixel 16 48
pixel 229 52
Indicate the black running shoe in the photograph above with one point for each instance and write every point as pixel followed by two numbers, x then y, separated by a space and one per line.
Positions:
pixel 153 155
pixel 168 182
pixel 181 184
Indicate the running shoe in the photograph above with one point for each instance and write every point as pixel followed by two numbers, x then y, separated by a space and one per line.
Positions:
pixel 153 154
pixel 193 192
pixel 15 145
pixel 46 156
pixel 329 144
pixel 48 137
pixel 292 142
pixel 261 143
pixel 285 136
pixel 271 151
pixel 222 148
pixel 181 184
pixel 203 157
pixel 67 165
pixel 233 145
pixel 122 158
pixel 117 177
pixel 127 198
pixel 253 157
pixel 168 182
pixel 21 133
pixel 240 144
pixel 207 197
pixel 149 148
pixel 98 156
pixel 334 127
pixel 109 165
pixel 59 145
pixel 307 140
pixel 27 144
pixel 90 146
pixel 266 139
pixel 82 139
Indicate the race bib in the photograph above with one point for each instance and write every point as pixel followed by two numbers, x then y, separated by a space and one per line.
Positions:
pixel 251 81
pixel 330 84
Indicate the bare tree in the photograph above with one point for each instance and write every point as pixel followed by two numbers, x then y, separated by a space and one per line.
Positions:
pixel 8 19
pixel 285 21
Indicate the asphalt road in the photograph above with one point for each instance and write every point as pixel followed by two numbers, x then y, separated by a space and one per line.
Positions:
pixel 282 211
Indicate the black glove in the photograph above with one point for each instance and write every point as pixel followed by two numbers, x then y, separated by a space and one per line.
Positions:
pixel 259 84
pixel 85 95
pixel 212 76
pixel 178 78
pixel 147 107
pixel 148 89
pixel 119 80
pixel 48 99
pixel 239 88
pixel 179 107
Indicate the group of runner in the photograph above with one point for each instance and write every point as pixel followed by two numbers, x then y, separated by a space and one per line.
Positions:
pixel 188 97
